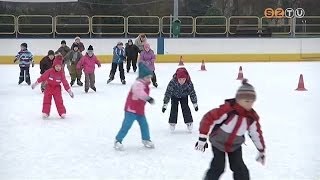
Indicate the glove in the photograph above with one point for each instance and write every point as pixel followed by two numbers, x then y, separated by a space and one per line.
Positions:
pixel 164 107
pixel 261 158
pixel 32 64
pixel 150 100
pixel 202 144
pixel 195 105
pixel 71 93
pixel 34 85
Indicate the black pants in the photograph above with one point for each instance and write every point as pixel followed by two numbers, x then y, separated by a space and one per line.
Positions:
pixel 24 75
pixel 237 166
pixel 154 78
pixel 132 61
pixel 114 69
pixel 185 110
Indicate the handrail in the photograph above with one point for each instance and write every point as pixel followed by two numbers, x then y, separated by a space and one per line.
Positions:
pixel 181 26
pixel 306 25
pixel 143 25
pixel 288 25
pixel 88 25
pixel 8 24
pixel 107 25
pixel 210 25
pixel 243 25
pixel 33 24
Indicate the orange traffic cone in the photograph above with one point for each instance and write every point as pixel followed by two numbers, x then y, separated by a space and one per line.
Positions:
pixel 181 61
pixel 301 84
pixel 240 74
pixel 203 66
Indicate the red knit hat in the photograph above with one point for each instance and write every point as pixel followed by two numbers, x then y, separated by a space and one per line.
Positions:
pixel 182 73
pixel 58 60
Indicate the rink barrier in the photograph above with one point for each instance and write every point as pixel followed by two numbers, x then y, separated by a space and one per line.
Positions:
pixel 193 58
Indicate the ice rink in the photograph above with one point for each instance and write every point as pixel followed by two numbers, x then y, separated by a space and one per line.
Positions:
pixel 81 146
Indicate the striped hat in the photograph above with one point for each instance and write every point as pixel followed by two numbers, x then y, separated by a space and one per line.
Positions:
pixel 246 91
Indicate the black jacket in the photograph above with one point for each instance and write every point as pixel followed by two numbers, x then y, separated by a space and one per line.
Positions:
pixel 45 64
pixel 131 51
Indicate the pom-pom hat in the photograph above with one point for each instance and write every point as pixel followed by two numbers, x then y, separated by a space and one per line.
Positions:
pixel 246 91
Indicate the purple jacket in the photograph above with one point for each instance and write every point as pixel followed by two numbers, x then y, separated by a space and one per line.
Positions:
pixel 148 58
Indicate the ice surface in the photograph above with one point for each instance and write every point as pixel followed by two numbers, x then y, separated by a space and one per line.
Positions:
pixel 81 146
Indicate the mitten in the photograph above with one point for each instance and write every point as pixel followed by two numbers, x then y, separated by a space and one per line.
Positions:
pixel 195 105
pixel 150 100
pixel 34 85
pixel 71 93
pixel 202 144
pixel 164 107
pixel 261 157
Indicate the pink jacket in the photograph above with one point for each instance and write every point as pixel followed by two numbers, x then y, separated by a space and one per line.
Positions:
pixel 148 58
pixel 137 97
pixel 88 63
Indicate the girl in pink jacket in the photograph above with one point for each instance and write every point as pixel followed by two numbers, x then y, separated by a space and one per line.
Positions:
pixel 87 63
pixel 134 108
pixel 54 77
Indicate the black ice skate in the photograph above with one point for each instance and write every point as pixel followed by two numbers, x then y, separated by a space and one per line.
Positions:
pixel 94 88
pixel 155 85
pixel 123 81
pixel 72 82
pixel 86 90
pixel 79 82
pixel 109 80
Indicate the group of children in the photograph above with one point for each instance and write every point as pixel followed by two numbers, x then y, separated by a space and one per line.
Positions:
pixel 224 126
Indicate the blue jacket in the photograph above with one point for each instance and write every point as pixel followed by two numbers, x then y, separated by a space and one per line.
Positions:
pixel 25 58
pixel 118 55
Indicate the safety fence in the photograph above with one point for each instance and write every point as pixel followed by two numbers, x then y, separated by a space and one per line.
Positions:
pixel 120 26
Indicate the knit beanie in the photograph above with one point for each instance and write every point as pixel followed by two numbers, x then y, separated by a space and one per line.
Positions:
pixel 143 71
pixel 246 91
pixel 182 73
pixel 90 48
pixel 57 60
pixel 63 42
pixel 50 52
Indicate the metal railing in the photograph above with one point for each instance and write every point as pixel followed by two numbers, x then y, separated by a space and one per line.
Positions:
pixel 151 25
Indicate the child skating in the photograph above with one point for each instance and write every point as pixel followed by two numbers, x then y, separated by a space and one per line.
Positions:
pixel 131 52
pixel 25 58
pixel 117 62
pixel 179 89
pixel 135 107
pixel 229 124
pixel 72 59
pixel 46 64
pixel 54 77
pixel 88 63
pixel 148 57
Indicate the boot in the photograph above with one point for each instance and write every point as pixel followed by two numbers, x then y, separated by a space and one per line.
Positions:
pixel 172 127
pixel 190 127
pixel 94 88
pixel 45 116
pixel 148 144
pixel 155 84
pixel 72 82
pixel 28 81
pixel 86 90
pixel 123 81
pixel 20 81
pixel 118 145
pixel 79 82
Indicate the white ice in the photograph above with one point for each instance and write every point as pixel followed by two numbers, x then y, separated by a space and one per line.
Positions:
pixel 81 146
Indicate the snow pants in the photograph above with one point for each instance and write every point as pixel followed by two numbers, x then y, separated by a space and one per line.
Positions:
pixel 185 110
pixel 89 81
pixel 75 73
pixel 132 61
pixel 237 166
pixel 129 118
pixel 113 70
pixel 56 93
pixel 24 75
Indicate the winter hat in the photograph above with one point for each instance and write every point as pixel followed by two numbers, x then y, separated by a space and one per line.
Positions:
pixel 143 71
pixel 246 90
pixel 75 45
pixel 63 42
pixel 76 38
pixel 50 52
pixel 57 60
pixel 24 45
pixel 119 43
pixel 90 48
pixel 182 73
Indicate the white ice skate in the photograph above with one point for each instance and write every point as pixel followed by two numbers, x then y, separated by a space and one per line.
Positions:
pixel 148 144
pixel 172 126
pixel 118 146
pixel 63 116
pixel 45 116
pixel 190 127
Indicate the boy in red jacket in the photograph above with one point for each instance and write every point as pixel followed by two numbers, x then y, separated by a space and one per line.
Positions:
pixel 230 122
pixel 54 77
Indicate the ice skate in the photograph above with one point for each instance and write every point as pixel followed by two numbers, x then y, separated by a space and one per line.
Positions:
pixel 72 82
pixel 155 85
pixel 63 116
pixel 86 90
pixel 118 146
pixel 20 81
pixel 148 144
pixel 172 126
pixel 79 82
pixel 190 127
pixel 123 81
pixel 94 89
pixel 45 116
pixel 109 80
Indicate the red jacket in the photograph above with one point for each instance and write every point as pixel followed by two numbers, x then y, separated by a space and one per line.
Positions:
pixel 137 97
pixel 88 64
pixel 54 79
pixel 230 122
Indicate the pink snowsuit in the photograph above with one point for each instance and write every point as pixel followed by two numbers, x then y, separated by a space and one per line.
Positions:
pixel 53 89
